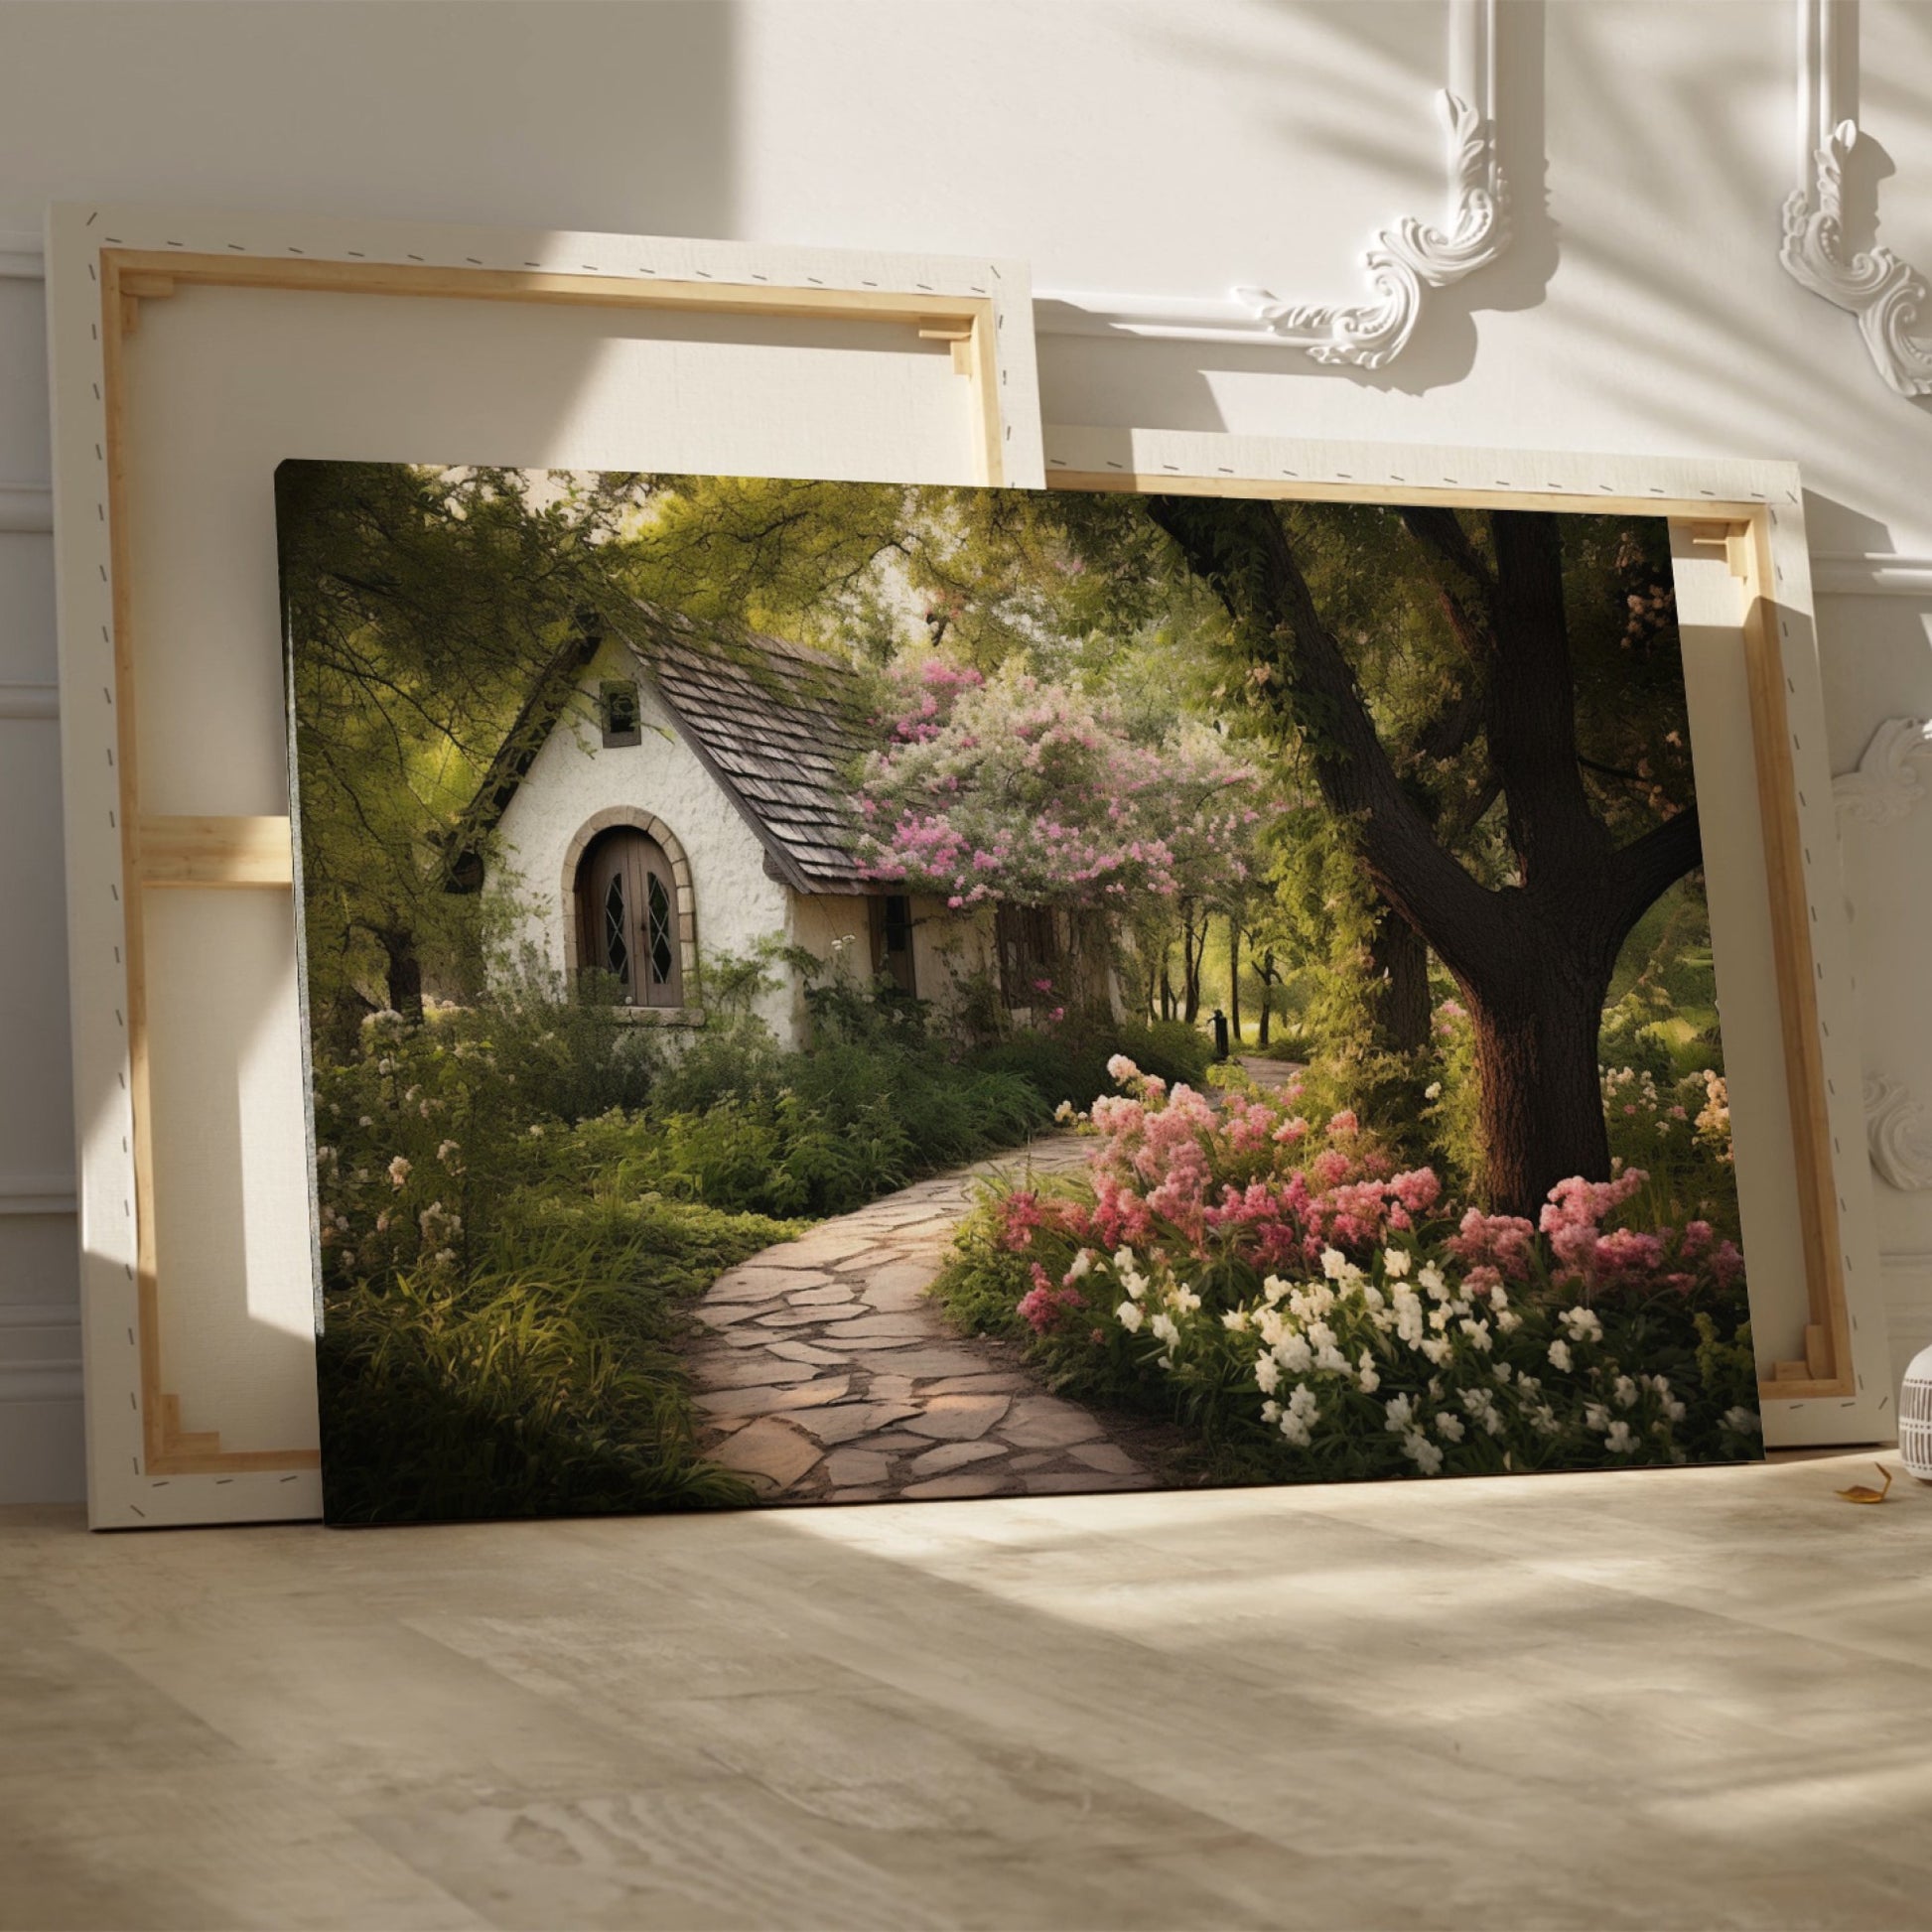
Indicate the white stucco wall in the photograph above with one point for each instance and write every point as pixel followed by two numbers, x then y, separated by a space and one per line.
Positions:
pixel 947 947
pixel 574 778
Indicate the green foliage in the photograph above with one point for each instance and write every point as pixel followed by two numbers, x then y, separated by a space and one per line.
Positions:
pixel 1070 1063
pixel 541 1383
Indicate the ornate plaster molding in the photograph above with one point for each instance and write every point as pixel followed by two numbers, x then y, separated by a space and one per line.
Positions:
pixel 1405 262
pixel 1887 295
pixel 1887 784
pixel 1898 1132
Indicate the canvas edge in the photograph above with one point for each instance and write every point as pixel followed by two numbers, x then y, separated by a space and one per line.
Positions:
pixel 1576 480
pixel 121 1493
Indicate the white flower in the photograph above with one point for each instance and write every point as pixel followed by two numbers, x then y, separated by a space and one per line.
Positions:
pixel 1295 1432
pixel 1267 1374
pixel 1543 1418
pixel 444 1152
pixel 1366 1377
pixel 1293 1354
pixel 1303 1404
pixel 1596 1417
pixel 1433 1090
pixel 1499 1297
pixel 1273 1288
pixel 1478 1332
pixel 1162 1328
pixel 1582 1325
pixel 398 1171
pixel 1128 1315
pixel 1742 1421
pixel 1508 1321
pixel 1270 1412
pixel 1065 1112
pixel 1625 1392
pixel 1500 1371
pixel 1183 1298
pixel 1437 1348
pixel 1560 1355
pixel 1431 1277
pixel 1395 1261
pixel 1450 1426
pixel 365 1121
pixel 1400 1413
pixel 1427 1457
pixel 1120 1069
pixel 1620 1440
pixel 1333 1261
pixel 1237 1321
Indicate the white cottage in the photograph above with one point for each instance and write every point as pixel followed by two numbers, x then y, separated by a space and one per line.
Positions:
pixel 669 793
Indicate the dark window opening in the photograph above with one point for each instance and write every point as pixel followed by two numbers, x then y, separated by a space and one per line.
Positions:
pixel 1029 954
pixel 621 712
pixel 892 941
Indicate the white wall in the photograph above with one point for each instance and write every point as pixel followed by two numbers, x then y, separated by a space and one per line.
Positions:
pixel 1130 145
pixel 572 778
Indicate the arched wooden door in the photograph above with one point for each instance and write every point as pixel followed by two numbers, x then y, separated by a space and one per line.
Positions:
pixel 627 918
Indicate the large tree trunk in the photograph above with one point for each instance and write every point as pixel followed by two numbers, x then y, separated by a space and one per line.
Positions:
pixel 1399 964
pixel 405 973
pixel 1541 1100
pixel 1533 957
pixel 1192 945
pixel 1234 981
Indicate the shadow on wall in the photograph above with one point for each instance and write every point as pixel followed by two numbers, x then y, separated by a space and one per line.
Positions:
pixel 1330 107
pixel 612 119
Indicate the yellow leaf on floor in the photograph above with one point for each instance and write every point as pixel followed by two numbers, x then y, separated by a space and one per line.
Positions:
pixel 1860 1492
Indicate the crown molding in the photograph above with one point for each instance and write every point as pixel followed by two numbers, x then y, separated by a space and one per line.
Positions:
pixel 1887 785
pixel 22 258
pixel 26 506
pixel 34 701
pixel 1886 293
pixel 1870 573
pixel 37 1194
pixel 39 1352
pixel 1406 262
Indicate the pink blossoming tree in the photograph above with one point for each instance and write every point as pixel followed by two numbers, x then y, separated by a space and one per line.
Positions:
pixel 1011 791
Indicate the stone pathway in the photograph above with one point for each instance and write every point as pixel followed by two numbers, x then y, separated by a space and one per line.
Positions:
pixel 828 1376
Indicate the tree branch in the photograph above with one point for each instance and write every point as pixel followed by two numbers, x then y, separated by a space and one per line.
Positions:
pixel 1241 549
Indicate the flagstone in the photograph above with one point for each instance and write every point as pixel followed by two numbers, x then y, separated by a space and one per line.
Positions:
pixel 848 1468
pixel 1043 1422
pixel 769 1399
pixel 1109 1457
pixel 805 1351
pixel 768 1451
pixel 749 1371
pixel 955 1456
pixel 956 1418
pixel 974 1483
pixel 846 1421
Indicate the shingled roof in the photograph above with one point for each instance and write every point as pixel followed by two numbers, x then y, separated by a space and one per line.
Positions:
pixel 779 727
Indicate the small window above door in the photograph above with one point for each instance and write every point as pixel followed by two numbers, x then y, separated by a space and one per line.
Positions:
pixel 621 712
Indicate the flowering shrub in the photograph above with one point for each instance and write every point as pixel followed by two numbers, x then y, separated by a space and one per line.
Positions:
pixel 1315 1313
pixel 1034 793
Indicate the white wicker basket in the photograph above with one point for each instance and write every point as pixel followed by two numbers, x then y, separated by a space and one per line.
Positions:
pixel 1915 1417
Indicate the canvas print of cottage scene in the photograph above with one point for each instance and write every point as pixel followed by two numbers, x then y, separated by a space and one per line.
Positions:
pixel 829 992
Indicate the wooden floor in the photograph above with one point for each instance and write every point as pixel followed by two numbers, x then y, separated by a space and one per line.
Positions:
pixel 1676 1699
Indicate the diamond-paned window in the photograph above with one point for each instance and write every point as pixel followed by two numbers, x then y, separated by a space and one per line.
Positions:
pixel 617 954
pixel 663 958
